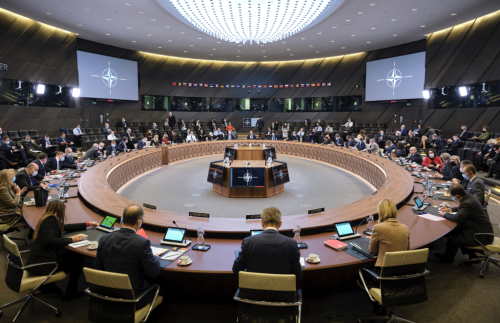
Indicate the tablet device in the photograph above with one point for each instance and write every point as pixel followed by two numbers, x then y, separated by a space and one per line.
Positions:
pixel 344 229
pixel 255 232
pixel 175 235
pixel 107 223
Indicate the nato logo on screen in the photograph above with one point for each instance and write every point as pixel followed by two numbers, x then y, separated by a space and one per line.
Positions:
pixel 397 78
pixel 105 77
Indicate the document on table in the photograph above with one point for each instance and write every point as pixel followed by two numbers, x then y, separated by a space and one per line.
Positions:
pixel 172 255
pixel 302 262
pixel 158 251
pixel 431 217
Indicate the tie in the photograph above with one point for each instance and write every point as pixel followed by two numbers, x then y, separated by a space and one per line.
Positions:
pixel 79 130
pixel 48 142
pixel 32 181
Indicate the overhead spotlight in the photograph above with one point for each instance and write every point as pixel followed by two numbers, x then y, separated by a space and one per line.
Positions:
pixel 75 92
pixel 40 89
pixel 19 85
pixel 463 91
pixel 484 88
pixel 60 89
pixel 426 94
pixel 442 91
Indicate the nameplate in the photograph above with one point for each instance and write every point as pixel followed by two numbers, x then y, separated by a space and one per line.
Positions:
pixel 199 215
pixel 314 211
pixel 149 206
pixel 254 216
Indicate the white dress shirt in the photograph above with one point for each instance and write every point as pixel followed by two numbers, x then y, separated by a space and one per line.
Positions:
pixel 77 131
pixel 191 138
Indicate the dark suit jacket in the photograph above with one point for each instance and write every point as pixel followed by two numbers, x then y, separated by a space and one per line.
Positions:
pixel 121 146
pixel 51 164
pixel 377 137
pixel 260 123
pixel 439 143
pixel 464 135
pixel 68 162
pixel 109 150
pixel 42 171
pixel 403 132
pixel 420 133
pixel 44 143
pixel 339 142
pixel 91 154
pixel 253 137
pixel 269 252
pixel 123 124
pixel 171 120
pixel 48 242
pixel 454 145
pixel 475 187
pixel 126 252
pixel 141 144
pixel 361 145
pixel 471 219
pixel 314 136
pixel 417 158
pixel 454 173
pixel 447 167
pixel 351 143
pixel 23 179
pixel 60 140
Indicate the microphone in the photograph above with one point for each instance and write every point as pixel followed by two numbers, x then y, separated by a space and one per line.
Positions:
pixel 366 218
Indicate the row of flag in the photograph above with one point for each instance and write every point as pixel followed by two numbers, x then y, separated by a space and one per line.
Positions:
pixel 275 86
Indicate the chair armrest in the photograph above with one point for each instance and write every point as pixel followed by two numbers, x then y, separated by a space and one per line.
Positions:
pixel 298 298
pixel 42 264
pixel 23 251
pixel 147 291
pixel 484 234
pixel 152 302
pixel 369 272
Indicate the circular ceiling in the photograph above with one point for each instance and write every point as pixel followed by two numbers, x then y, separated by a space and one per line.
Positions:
pixel 349 27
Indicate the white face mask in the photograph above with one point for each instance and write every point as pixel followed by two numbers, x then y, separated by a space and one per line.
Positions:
pixel 34 173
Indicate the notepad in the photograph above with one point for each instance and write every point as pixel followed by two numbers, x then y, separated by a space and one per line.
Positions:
pixel 431 217
pixel 158 251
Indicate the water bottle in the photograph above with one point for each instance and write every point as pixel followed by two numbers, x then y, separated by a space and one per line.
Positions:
pixel 370 223
pixel 296 234
pixel 61 193
pixel 201 238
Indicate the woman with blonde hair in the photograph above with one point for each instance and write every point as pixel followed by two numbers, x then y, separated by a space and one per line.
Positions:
pixel 156 141
pixel 362 134
pixel 48 246
pixel 10 196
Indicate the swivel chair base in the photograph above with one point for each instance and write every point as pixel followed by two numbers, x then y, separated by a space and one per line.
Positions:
pixel 28 299
pixel 487 261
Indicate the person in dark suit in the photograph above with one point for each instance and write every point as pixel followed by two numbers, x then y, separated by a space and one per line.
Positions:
pixel 68 161
pixel 360 144
pixel 251 136
pixel 54 164
pixel 314 136
pixel 350 142
pixel 171 119
pixel 486 153
pixel 43 171
pixel 446 158
pixel 339 141
pixel 471 219
pixel 327 140
pixel 130 141
pixel 464 134
pixel 415 156
pixel 107 129
pixel 142 143
pixel 453 145
pixel 92 153
pixel 126 252
pixel 475 185
pixel 269 252
pixel 63 142
pixel 260 125
pixel 389 147
pixel 26 178
pixel 419 132
pixel 123 124
pixel 306 123
pixel 403 131
pixel 437 143
pixel 412 140
pixel 112 149
pixel 48 246
pixel 493 162
pixel 454 172
pixel 11 152
pixel 28 145
pixel 293 137
pixel 380 139
pixel 122 146
pixel 48 145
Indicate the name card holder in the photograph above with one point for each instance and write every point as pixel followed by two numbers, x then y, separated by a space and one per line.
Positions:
pixel 253 217
pixel 315 211
pixel 199 215
pixel 149 206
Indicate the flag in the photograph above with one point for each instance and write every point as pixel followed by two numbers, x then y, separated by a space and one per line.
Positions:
pixel 174 83
pixel 328 84
pixel 190 84
pixel 318 84
pixel 259 86
pixel 292 85
pixel 243 85
pixel 301 85
pixel 211 85
pixel 265 86
pixel 313 84
pixel 308 85
pixel 237 86
pixel 281 86
pixel 184 84
pixel 286 85
pixel 254 86
pixel 195 84
pixel 205 85
pixel 323 84
pixel 275 86
pixel 216 85
pixel 232 85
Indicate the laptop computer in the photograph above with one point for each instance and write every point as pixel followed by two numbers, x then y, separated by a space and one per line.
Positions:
pixel 107 223
pixel 175 237
pixel 345 231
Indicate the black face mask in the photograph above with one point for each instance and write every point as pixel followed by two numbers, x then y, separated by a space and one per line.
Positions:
pixel 453 163
pixel 484 131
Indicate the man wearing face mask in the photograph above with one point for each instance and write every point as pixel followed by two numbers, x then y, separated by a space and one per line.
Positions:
pixel 26 178
pixel 415 156
pixel 126 252
pixel 11 152
pixel 471 219
pixel 122 146
pixel 380 139
pixel 494 162
pixel 123 124
pixel 475 185
pixel 29 145
pixel 453 145
pixel 130 142
pixel 68 159
pixel 55 163
pixel 454 172
pixel 484 136
pixel 360 144
pixel 43 171
pixel 112 148
pixel 464 134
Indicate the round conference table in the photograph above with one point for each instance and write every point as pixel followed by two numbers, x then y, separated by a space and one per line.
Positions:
pixel 211 274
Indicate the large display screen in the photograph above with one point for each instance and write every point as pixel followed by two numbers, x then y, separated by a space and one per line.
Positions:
pixel 270 152
pixel 230 152
pixel 280 174
pixel 248 177
pixel 215 174
pixel 396 78
pixel 105 77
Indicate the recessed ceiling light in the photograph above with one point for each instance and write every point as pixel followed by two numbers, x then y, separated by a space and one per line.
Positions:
pixel 368 42
pixel 310 45
pixel 140 12
pixel 128 4
pixel 108 34
pixel 414 9
pixel 170 40
pixel 353 35
pixel 332 41
pixel 211 54
pixel 167 26
pixel 291 54
pixel 239 51
pixel 199 37
pixel 108 19
pixel 191 45
pixel 395 35
pixel 317 52
pixel 48 13
pixel 87 8
pixel 302 38
pixel 262 45
pixel 182 33
pixel 372 4
pixel 288 49
pixel 453 14
pixel 79 25
pixel 343 47
pixel 348 20
pixel 240 45
pixel 149 34
pixel 263 51
pixel 334 27
pixel 264 56
pixel 237 56
pixel 374 28
pixel 218 42
pixel 360 13
pixel 283 42
pixel 134 41
pixel 393 19
pixel 77 34
pixel 152 19
pixel 159 46
pixel 129 27
pixel 320 33
pixel 185 51
pixel 214 49
pixel 422 26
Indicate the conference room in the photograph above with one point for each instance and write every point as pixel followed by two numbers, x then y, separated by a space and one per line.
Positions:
pixel 249 161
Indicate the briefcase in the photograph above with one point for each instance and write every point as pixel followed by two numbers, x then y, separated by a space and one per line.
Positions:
pixel 41 196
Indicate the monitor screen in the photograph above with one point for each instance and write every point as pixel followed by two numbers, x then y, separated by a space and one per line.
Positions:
pixel 108 222
pixel 280 174
pixel 344 228
pixel 105 77
pixel 248 177
pixel 230 152
pixel 174 234
pixel 255 232
pixel 215 174
pixel 270 152
pixel 396 78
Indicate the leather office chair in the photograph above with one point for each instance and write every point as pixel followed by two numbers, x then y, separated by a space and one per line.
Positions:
pixel 19 280
pixel 268 298
pixel 12 225
pixel 401 282
pixel 488 250
pixel 112 298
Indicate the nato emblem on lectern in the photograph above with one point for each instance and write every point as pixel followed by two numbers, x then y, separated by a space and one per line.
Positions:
pixel 394 78
pixel 248 177
pixel 109 77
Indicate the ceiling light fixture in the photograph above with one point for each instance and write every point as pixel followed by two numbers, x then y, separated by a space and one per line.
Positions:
pixel 128 4
pixel 250 20
pixel 288 49
pixel 152 19
pixel 129 27
pixel 393 19
pixel 140 12
pixel 422 26
pixel 368 42
pixel 343 47
pixel 159 46
pixel 167 26
pixel 332 41
pixel 48 13
pixel 414 9
pixel 353 35
pixel 108 19
pixel 170 40
pixel 149 34
pixel 185 51
pixel 199 38
pixel 395 35
pixel 372 4
pixel 426 94
pixel 334 27
pixel 320 33
pixel 348 20
pixel 108 34
pixel 79 25
pixel 374 28
pixel 360 13
pixel 87 8
pixel 453 14
pixel 134 41
pixel 211 54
